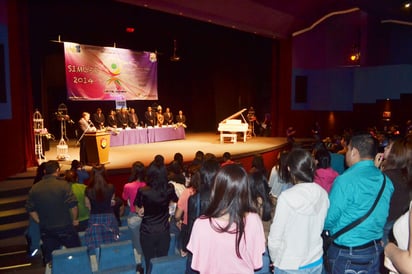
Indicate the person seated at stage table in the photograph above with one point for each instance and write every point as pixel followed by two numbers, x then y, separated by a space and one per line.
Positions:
pixel 150 117
pixel 111 119
pixel 181 119
pixel 133 119
pixel 168 117
pixel 123 118
pixel 98 119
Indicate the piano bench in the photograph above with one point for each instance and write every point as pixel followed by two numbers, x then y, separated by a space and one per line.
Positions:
pixel 232 136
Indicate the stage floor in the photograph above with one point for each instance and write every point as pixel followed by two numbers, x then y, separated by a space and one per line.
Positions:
pixel 123 156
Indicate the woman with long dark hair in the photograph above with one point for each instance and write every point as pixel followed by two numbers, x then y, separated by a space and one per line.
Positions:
pixel 259 190
pixel 103 227
pixel 294 241
pixel 152 203
pixel 228 237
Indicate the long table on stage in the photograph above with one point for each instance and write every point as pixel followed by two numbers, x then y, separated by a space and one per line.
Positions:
pixel 146 135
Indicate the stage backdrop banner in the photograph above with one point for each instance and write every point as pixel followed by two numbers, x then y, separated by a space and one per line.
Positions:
pixel 105 73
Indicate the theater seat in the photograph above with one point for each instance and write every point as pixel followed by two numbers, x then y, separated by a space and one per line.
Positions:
pixel 117 257
pixel 173 264
pixel 71 260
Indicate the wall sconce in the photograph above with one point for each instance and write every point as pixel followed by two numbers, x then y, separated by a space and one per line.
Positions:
pixel 354 57
pixel 355 54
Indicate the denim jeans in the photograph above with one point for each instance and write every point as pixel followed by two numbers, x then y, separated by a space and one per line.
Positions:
pixel 134 222
pixel 56 238
pixel 313 270
pixel 355 261
pixel 387 229
pixel 33 235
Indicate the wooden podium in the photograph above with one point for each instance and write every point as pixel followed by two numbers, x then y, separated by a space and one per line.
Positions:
pixel 97 148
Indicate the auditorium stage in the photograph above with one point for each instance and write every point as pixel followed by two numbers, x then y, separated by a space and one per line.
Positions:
pixel 122 157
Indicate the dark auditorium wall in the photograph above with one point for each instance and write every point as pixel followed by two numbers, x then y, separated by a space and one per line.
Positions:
pixel 343 94
pixel 16 136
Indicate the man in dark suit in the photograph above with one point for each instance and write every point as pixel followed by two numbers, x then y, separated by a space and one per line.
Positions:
pixel 181 119
pixel 112 120
pixel 98 119
pixel 150 117
pixel 168 117
pixel 123 118
pixel 133 119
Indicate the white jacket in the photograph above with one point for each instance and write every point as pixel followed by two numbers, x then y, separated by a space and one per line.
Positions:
pixel 294 238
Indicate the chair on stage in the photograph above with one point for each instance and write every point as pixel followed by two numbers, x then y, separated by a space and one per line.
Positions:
pixel 71 260
pixel 117 257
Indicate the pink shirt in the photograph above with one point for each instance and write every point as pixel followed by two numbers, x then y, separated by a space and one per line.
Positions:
pixel 215 252
pixel 325 177
pixel 183 200
pixel 130 191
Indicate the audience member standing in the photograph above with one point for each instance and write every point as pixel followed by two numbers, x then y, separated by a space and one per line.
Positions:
pixel 181 213
pixel 228 237
pixel 51 203
pixel 352 195
pixel 397 165
pixel 79 191
pixel 103 227
pixel 324 174
pixel 258 164
pixel 398 256
pixel 276 183
pixel 152 203
pixel 295 243
pixel 33 231
pixel 136 181
pixel 199 202
pixel 259 190
pixel 82 174
pixel 227 159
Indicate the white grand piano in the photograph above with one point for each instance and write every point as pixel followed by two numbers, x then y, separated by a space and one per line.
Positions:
pixel 230 126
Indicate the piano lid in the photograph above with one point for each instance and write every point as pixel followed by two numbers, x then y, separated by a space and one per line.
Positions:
pixel 235 115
